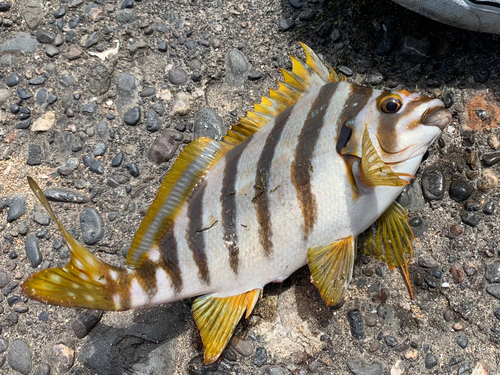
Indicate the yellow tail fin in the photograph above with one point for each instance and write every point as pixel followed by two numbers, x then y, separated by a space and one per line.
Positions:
pixel 84 282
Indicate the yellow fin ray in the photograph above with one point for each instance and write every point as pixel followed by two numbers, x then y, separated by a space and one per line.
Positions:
pixel 389 240
pixel 331 268
pixel 84 282
pixel 374 172
pixel 217 317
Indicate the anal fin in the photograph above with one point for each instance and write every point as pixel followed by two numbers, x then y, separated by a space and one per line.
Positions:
pixel 331 268
pixel 389 240
pixel 374 172
pixel 217 317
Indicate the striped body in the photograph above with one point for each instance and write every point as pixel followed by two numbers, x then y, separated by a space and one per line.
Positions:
pixel 231 237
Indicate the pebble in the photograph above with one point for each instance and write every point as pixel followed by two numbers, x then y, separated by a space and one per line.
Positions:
pixel 20 42
pixel 33 251
pixel 93 164
pixel 132 116
pixel 286 24
pixel 356 323
pixel 4 279
pixel 359 366
pixel 460 190
pixel 60 357
pixel 65 195
pixel 23 94
pixel 100 80
pixel 147 92
pixel 132 169
pixel 92 40
pixel 207 123
pixel 60 12
pixel 481 75
pixel 491 158
pixel 177 76
pixel 153 122
pixel 374 346
pixel 242 346
pixel 386 313
pixel 181 105
pixel 22 124
pixel 126 16
pixel 19 357
pixel 14 108
pixel 447 99
pixel 236 68
pixel 100 149
pixel 432 184
pixel 164 146
pixel 489 208
pixel 42 369
pixel 260 356
pixel 17 208
pixel 470 219
pixel 3 345
pixel 74 53
pixel 34 155
pixel 89 108
pixel 44 122
pixel 41 217
pixel 69 167
pixel 411 355
pixel 493 272
pixel 390 341
pixel 494 290
pixel 455 360
pixel 488 181
pixel 24 113
pixel 430 361
pixel 418 226
pixel 12 80
pixel 38 80
pixel 91 224
pixel 43 36
pixel 83 323
pixel 5 6
pixel 254 75
pixel 117 160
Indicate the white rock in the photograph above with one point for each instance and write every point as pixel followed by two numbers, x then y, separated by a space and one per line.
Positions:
pixel 480 369
pixel 44 123
pixel 398 368
pixel 181 105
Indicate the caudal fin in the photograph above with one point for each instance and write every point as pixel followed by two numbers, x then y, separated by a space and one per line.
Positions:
pixel 84 282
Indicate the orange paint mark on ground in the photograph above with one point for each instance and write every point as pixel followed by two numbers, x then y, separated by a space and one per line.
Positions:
pixel 483 112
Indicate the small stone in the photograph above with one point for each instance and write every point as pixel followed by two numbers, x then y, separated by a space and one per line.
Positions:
pixel 14 109
pixel 430 361
pixel 33 251
pixel 457 274
pixel 411 355
pixel 34 155
pixel 386 313
pixel 127 4
pixel 4 280
pixel 462 340
pixel 494 290
pixel 153 122
pixel 126 16
pixel 356 323
pixel 207 123
pixel 147 92
pixel 45 122
pixel 65 195
pixel 416 50
pixel 132 116
pixel 38 80
pixel 117 160
pixel 418 226
pixel 73 22
pixel 44 36
pixel 359 366
pixel 242 346
pixel 74 53
pixel 432 184
pixel 12 80
pixel 260 356
pixel 491 158
pixel 89 108
pixel 19 357
pixel 374 346
pixel 99 80
pixel 93 164
pixel 3 345
pixel 61 357
pixel 459 326
pixel 470 219
pixel 164 146
pixel 60 12
pixel 181 105
pixel 493 141
pixel 457 229
pixel 177 76
pixel 132 169
pixel 162 45
pixel 447 99
pixel 17 208
pixel 286 24
pixel 297 4
pixel 42 369
pixel 455 360
pixel 20 42
pixel 254 75
pixel 5 6
pixel 488 181
pixel 460 190
pixel 493 272
pixel 464 368
pixel 236 68
pixel 390 341
pixel 69 167
pixel 481 75
pixel 84 322
pixel 480 369
pixel 100 149
pixel 23 94
pixel 91 224
pixel 92 40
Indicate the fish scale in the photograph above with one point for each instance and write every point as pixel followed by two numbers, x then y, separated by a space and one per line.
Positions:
pixel 293 183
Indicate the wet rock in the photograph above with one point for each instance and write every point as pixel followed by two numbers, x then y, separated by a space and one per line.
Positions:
pixel 356 323
pixel 132 169
pixel 91 224
pixel 430 361
pixel 359 366
pixel 177 76
pixel 44 122
pixel 60 357
pixel 20 42
pixel 432 184
pixel 181 105
pixel 418 226
pixel 33 251
pixel 19 357
pixel 236 68
pixel 260 356
pixel 65 195
pixel 84 322
pixel 164 146
pixel 207 123
pixel 460 190
pixel 99 80
pixel 12 80
pixel 132 116
pixel 491 158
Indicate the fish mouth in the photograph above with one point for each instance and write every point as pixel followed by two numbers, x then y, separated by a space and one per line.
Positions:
pixel 437 116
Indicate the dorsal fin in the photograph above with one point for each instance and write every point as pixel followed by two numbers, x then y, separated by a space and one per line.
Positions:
pixel 203 153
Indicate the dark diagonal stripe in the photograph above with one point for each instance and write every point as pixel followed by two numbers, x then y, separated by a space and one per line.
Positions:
pixel 168 249
pixel 228 201
pixel 301 166
pixel 261 178
pixel 195 235
pixel 146 277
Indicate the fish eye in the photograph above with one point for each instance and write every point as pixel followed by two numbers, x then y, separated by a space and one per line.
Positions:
pixel 391 104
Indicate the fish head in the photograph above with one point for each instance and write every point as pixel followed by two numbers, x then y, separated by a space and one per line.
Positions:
pixel 402 125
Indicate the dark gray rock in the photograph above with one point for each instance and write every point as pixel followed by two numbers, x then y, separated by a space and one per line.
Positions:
pixel 69 167
pixel 91 224
pixel 4 280
pixel 153 122
pixel 65 195
pixel 359 366
pixel 69 144
pixel 207 123
pixel 260 358
pixel 34 155
pixel 411 197
pixel 164 146
pixel 416 50
pixel 126 89
pixel 162 45
pixel 236 68
pixel 42 96
pixel 17 208
pixel 20 42
pixel 92 40
pixel 22 124
pixel 493 272
pixel 494 290
pixel 74 22
pixel 133 169
pixel 102 357
pixel 19 357
pixel 470 219
pixel 23 94
pixel 427 263
pixel 93 164
pixel 286 24
pixel 67 80
pixel 41 217
pixel 432 184
pixel 38 80
pixel 100 149
pixel 418 226
pixel 99 80
pixel 177 76
pixel 5 6
pixel 83 323
pixel 12 80
pixel 33 251
pixel 117 160
pixel 491 158
pixel 462 340
pixel 43 36
pixel 89 108
pixel 126 16
pixel 102 130
pixel 430 361
pixel 132 116
pixel 297 4
pixel 356 324
pixel 147 92
pixel 60 12
pixel 460 190
pixel 42 369
pixel 4 344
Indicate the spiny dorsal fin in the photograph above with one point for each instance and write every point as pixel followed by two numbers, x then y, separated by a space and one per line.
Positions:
pixel 203 153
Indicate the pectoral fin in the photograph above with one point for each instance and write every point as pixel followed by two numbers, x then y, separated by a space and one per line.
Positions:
pixel 374 172
pixel 331 268
pixel 216 319
pixel 389 240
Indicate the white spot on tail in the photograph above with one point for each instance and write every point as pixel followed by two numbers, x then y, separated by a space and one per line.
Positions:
pixel 113 274
pixel 154 254
pixel 163 285
pixel 138 296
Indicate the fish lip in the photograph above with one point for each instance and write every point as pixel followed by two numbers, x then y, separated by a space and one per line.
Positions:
pixel 437 116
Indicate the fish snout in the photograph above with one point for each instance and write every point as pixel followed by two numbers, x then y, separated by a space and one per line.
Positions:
pixel 437 116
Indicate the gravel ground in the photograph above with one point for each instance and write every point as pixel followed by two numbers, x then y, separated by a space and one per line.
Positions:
pixel 96 101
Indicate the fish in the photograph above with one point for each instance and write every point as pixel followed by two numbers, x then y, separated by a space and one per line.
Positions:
pixel 310 176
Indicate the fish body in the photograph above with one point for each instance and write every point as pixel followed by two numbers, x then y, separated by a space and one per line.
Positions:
pixel 295 183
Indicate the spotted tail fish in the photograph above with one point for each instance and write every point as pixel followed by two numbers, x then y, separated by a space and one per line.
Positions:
pixel 297 181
